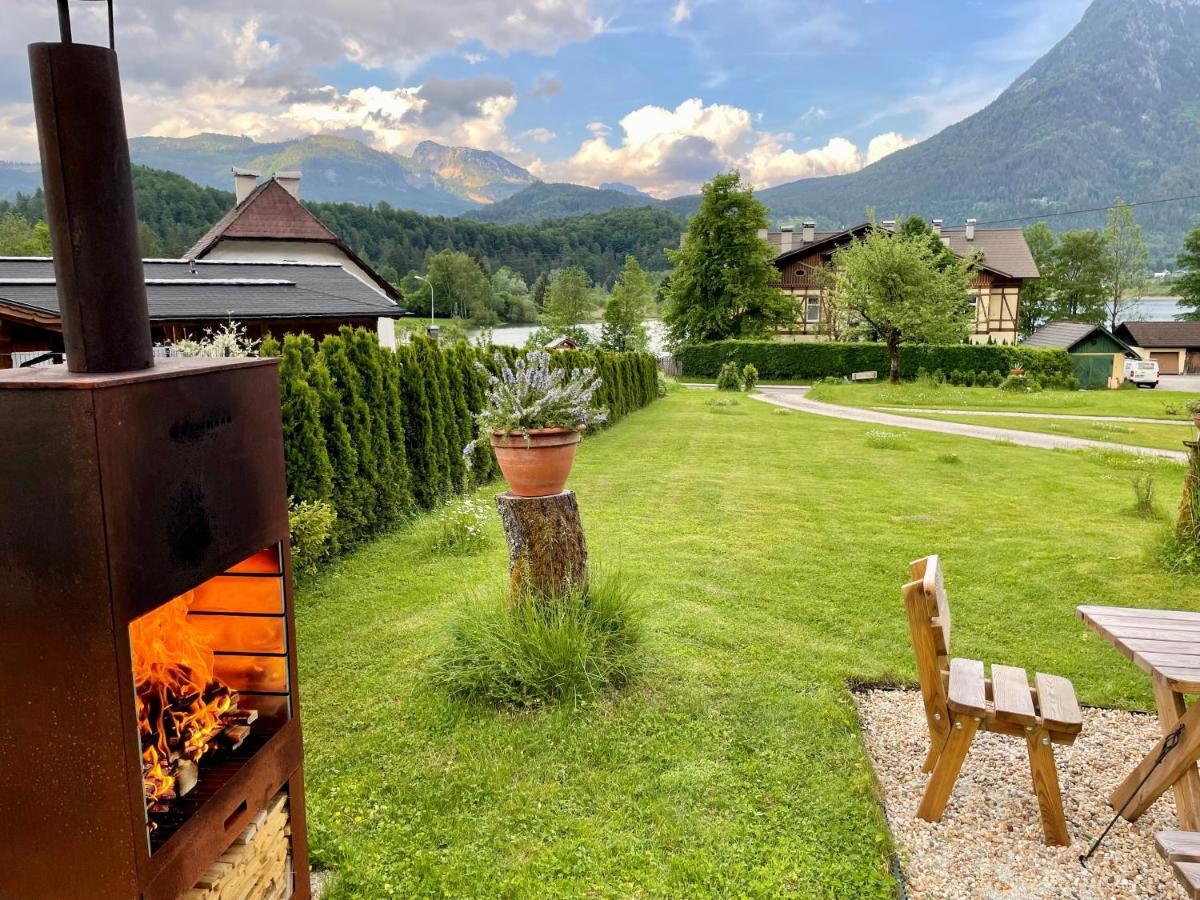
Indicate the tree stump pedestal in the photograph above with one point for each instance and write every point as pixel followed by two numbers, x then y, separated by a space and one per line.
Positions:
pixel 547 551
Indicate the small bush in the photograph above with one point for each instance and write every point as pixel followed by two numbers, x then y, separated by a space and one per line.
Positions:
pixel 1143 494
pixel 664 385
pixel 1178 552
pixel 939 377
pixel 310 523
pixel 996 378
pixel 950 459
pixel 729 379
pixel 1192 406
pixel 1171 408
pixel 749 376
pixel 888 440
pixel 461 527
pixel 530 652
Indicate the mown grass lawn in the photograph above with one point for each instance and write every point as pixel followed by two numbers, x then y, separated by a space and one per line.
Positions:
pixel 1135 434
pixel 768 548
pixel 1151 404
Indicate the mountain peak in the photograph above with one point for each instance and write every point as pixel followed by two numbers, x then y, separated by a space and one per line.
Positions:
pixel 484 176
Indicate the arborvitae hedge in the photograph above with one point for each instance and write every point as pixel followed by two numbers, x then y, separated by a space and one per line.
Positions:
pixel 379 433
pixel 820 359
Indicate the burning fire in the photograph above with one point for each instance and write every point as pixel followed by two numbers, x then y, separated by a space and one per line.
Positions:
pixel 179 700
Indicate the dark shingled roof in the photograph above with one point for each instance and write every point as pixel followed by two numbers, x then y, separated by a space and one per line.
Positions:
pixel 217 291
pixel 1067 335
pixel 1001 250
pixel 1160 334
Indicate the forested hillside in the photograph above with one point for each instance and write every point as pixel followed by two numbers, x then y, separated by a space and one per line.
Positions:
pixel 175 212
pixel 541 201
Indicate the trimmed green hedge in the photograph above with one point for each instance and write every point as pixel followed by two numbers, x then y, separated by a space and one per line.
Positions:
pixel 820 359
pixel 379 433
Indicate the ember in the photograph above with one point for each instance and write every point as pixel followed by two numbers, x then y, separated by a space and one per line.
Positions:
pixel 182 707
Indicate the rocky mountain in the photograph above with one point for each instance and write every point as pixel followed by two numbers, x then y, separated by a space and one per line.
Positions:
pixel 435 180
pixel 556 200
pixel 480 175
pixel 1113 109
pixel 623 188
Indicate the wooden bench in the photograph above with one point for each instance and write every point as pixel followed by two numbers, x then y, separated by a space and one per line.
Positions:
pixel 864 376
pixel 959 701
pixel 1182 850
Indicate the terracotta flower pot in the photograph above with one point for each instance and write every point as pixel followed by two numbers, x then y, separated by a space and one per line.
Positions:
pixel 1196 419
pixel 537 466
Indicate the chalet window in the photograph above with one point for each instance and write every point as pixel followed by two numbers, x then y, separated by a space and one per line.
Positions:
pixel 812 309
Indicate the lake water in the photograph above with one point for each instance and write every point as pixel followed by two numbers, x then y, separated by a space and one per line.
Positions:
pixel 1154 309
pixel 517 335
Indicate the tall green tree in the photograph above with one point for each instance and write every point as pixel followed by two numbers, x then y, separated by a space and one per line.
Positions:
pixel 511 297
pixel 1036 307
pixel 428 472
pixel 628 305
pixel 309 472
pixel 898 287
pixel 461 288
pixel 725 283
pixel 1125 261
pixel 568 305
pixel 19 237
pixel 337 351
pixel 1075 277
pixel 1187 281
pixel 540 288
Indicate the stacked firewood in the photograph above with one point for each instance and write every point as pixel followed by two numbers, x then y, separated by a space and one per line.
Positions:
pixel 258 866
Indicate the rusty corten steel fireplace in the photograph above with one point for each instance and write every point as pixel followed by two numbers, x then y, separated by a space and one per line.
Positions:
pixel 149 718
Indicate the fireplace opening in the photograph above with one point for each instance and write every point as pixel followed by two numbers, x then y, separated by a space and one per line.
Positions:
pixel 210 677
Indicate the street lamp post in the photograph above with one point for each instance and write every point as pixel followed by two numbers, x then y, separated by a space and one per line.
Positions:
pixel 433 329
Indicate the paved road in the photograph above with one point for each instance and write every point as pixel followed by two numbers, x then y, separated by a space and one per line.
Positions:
pixel 793 398
pixel 1179 383
pixel 1028 415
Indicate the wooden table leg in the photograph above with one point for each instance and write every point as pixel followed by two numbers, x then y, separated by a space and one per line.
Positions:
pixel 1171 708
pixel 1133 798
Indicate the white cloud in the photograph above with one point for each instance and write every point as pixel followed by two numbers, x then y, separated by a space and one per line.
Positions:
pixel 681 12
pixel 670 152
pixel 814 114
pixel 886 144
pixel 539 135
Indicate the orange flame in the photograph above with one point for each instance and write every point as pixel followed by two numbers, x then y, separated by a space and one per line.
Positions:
pixel 179 700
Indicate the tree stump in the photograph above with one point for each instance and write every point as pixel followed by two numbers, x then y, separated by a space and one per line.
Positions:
pixel 1189 506
pixel 547 552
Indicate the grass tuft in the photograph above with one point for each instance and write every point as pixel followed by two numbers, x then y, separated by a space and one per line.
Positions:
pixel 950 459
pixel 533 652
pixel 888 440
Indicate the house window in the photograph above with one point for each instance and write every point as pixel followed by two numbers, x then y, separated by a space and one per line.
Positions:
pixel 812 309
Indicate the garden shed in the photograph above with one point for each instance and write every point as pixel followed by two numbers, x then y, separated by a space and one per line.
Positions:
pixel 1097 354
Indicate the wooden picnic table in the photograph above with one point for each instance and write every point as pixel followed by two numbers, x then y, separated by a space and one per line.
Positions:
pixel 1166 646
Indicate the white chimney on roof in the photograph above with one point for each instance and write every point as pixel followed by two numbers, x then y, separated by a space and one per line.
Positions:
pixel 810 232
pixel 970 234
pixel 244 182
pixel 937 227
pixel 889 224
pixel 786 234
pixel 290 182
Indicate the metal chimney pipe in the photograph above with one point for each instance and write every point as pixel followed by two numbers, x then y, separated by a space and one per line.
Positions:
pixel 90 206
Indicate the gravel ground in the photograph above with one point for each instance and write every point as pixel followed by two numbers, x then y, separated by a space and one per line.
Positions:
pixel 989 842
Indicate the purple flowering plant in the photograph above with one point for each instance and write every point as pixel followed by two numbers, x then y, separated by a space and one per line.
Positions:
pixel 531 395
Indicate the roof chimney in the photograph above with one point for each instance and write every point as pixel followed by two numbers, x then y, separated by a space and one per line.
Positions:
pixel 937 227
pixel 810 232
pixel 970 235
pixel 290 182
pixel 889 224
pixel 244 181
pixel 786 235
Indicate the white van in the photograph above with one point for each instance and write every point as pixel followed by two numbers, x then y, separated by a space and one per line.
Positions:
pixel 1142 372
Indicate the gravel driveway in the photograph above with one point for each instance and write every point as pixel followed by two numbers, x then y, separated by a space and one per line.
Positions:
pixel 1179 383
pixel 794 398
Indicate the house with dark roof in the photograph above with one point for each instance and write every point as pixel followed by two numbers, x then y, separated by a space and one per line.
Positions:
pixel 1175 346
pixel 1097 354
pixel 1003 264
pixel 268 263
pixel 187 296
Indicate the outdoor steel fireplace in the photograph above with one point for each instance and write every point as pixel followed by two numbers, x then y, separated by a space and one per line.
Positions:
pixel 149 718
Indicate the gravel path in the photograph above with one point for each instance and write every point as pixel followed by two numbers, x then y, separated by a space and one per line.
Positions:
pixel 1027 415
pixel 989 842
pixel 794 398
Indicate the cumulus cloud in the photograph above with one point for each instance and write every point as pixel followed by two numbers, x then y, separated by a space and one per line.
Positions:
pixel 539 135
pixel 672 151
pixel 681 12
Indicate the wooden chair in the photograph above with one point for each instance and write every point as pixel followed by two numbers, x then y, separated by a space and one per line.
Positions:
pixel 959 701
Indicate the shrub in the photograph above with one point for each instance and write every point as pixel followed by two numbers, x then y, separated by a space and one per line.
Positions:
pixel 996 379
pixel 310 523
pixel 530 652
pixel 230 340
pixel 1015 383
pixel 1143 494
pixel 749 376
pixel 939 377
pixel 1178 552
pixel 888 440
pixel 461 526
pixel 1192 406
pixel 729 379
pixel 812 361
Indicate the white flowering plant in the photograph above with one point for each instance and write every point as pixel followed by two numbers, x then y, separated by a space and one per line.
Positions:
pixel 461 526
pixel 531 394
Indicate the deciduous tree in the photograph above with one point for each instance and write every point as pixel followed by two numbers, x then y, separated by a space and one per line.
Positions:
pixel 1187 282
pixel 1125 262
pixel 631 298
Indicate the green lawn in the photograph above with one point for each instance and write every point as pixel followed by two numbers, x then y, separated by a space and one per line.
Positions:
pixel 1151 404
pixel 769 548
pixel 1136 434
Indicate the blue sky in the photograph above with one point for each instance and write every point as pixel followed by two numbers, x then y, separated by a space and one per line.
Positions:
pixel 660 93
